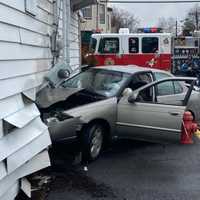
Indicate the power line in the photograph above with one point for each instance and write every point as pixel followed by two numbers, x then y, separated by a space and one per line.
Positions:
pixel 151 2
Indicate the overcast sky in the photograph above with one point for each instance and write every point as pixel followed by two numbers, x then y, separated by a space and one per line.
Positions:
pixel 150 13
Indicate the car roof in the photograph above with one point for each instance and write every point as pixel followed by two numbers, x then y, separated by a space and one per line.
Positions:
pixel 131 69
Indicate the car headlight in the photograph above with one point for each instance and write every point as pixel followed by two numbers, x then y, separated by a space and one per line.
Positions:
pixel 56 117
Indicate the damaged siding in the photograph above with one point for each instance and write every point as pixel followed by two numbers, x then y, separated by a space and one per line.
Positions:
pixel 25 57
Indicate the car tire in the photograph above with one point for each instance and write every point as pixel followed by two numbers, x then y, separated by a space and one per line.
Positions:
pixel 92 141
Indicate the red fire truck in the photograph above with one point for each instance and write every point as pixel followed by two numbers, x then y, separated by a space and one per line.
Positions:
pixel 124 48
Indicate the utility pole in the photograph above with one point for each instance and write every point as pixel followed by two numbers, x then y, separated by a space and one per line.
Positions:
pixel 176 28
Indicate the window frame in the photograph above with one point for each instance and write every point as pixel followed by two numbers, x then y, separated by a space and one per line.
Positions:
pixel 85 10
pixel 138 45
pixel 155 95
pixel 102 15
pixel 107 38
pixel 142 42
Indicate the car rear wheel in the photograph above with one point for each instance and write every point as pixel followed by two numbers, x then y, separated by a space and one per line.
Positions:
pixel 92 143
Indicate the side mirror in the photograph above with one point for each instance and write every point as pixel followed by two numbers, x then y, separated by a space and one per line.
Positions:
pixel 133 97
pixel 127 92
pixel 63 73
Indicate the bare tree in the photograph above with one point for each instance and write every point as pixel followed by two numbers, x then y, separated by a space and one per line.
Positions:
pixel 123 19
pixel 192 20
pixel 168 24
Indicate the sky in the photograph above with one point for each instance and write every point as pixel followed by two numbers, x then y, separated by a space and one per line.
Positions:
pixel 150 13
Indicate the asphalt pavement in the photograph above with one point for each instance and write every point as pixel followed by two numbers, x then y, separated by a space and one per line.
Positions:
pixel 129 170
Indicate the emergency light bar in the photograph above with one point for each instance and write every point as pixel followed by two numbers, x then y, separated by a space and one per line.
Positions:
pixel 150 30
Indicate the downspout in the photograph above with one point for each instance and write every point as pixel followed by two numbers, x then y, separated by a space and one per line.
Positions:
pixel 55 31
pixel 66 33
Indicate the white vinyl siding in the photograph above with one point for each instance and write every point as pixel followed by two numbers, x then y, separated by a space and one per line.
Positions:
pixel 25 57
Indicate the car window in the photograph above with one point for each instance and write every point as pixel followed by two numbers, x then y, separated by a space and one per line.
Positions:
pixel 178 89
pixel 167 88
pixel 140 80
pixel 109 45
pixel 149 44
pixel 133 45
pixel 147 96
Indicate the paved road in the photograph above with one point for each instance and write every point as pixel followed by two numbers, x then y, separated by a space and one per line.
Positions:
pixel 131 171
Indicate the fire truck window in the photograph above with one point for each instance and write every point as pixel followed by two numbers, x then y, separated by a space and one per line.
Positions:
pixel 133 45
pixel 93 43
pixel 149 44
pixel 109 45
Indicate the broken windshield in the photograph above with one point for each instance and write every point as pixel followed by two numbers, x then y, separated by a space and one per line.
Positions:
pixel 103 82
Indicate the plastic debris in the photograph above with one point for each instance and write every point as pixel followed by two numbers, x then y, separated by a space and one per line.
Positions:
pixel 85 168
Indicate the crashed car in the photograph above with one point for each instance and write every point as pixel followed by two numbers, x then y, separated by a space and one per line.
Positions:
pixel 110 102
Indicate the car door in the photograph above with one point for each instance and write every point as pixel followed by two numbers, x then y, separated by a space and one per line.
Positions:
pixel 148 119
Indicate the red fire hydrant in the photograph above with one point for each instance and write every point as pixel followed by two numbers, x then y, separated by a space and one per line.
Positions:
pixel 189 127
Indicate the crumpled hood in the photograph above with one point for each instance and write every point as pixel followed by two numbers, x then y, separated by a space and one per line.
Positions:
pixel 48 96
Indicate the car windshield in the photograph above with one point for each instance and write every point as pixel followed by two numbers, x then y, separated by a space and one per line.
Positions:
pixel 99 81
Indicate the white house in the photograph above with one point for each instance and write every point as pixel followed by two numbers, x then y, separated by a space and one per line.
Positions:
pixel 34 35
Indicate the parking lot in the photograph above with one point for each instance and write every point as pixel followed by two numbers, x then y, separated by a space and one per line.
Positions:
pixel 129 170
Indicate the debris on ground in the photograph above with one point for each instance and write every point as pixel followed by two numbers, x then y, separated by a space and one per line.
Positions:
pixel 40 183
pixel 85 168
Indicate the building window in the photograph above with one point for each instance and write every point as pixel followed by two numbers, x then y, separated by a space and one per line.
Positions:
pixel 31 7
pixel 87 12
pixel 109 45
pixel 133 45
pixel 149 44
pixel 102 14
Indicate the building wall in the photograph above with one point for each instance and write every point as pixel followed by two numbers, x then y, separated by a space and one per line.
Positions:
pixel 25 58
pixel 94 23
pixel 74 38
pixel 74 42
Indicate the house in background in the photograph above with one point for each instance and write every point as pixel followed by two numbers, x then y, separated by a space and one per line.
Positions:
pixel 97 19
pixel 34 36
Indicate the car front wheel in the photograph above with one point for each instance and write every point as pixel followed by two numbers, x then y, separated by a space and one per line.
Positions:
pixel 92 141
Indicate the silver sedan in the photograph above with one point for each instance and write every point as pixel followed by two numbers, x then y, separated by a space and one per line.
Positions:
pixel 111 102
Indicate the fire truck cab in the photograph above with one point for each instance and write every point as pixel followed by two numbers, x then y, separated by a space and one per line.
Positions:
pixel 142 49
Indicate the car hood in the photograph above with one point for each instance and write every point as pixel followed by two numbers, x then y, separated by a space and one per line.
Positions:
pixel 48 96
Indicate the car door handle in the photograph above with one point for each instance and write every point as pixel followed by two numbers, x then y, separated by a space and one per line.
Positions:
pixel 174 113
